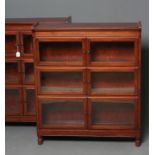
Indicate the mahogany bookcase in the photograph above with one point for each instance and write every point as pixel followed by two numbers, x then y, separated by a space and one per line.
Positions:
pixel 88 79
pixel 19 67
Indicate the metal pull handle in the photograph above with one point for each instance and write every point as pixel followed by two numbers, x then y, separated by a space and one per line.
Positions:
pixel 18 54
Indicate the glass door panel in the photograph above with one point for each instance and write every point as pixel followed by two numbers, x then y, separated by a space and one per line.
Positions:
pixel 29 94
pixel 62 82
pixel 61 52
pixel 113 83
pixel 63 112
pixel 10 44
pixel 12 72
pixel 113 113
pixel 28 72
pixel 27 44
pixel 116 53
pixel 13 105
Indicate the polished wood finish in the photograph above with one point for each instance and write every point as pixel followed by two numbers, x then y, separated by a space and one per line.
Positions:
pixel 19 71
pixel 40 20
pixel 88 80
pixel 88 26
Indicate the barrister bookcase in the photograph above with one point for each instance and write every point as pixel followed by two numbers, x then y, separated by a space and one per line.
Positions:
pixel 88 80
pixel 19 67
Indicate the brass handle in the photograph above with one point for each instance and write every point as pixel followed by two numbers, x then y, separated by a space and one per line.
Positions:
pixel 18 54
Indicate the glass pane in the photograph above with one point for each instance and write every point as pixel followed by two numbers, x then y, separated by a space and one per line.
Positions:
pixel 11 72
pixel 112 52
pixel 30 100
pixel 10 44
pixel 113 82
pixel 113 112
pixel 64 112
pixel 61 81
pixel 61 51
pixel 28 44
pixel 29 72
pixel 12 101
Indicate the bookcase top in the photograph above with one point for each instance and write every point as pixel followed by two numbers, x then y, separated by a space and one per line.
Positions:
pixel 87 26
pixel 35 20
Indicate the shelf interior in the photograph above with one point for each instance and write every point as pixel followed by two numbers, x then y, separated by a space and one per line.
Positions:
pixel 28 44
pixel 112 52
pixel 61 81
pixel 61 52
pixel 12 101
pixel 112 82
pixel 62 112
pixel 10 44
pixel 30 100
pixel 29 72
pixel 113 112
pixel 11 72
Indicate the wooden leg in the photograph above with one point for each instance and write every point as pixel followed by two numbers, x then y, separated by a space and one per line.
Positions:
pixel 40 140
pixel 137 142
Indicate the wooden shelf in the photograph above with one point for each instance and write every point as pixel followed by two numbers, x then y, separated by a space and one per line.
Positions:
pixel 80 79
pixel 100 63
pixel 19 71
